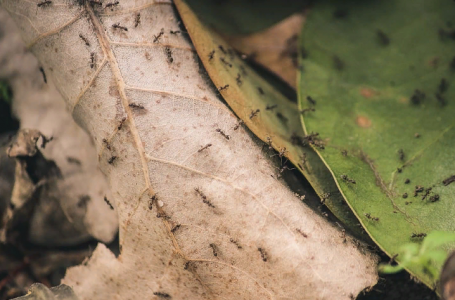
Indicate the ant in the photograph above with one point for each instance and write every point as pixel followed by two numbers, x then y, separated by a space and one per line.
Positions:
pixel 168 52
pixel 311 100
pixel 158 37
pixel 254 113
pixel 204 198
pixel 174 229
pixel 175 32
pixel 238 125
pixel 87 43
pixel 238 79
pixel 418 235
pixel 162 295
pixel 223 134
pixel 347 179
pixel 448 180
pixel 369 217
pixel 401 154
pixel 306 110
pixel 137 106
pixel 211 54
pixel 108 203
pixel 111 5
pixel 223 60
pixel 92 60
pixel 137 20
pixel 118 26
pixel 112 159
pixel 121 123
pixel 222 49
pixel 214 249
pixel 261 91
pixel 44 3
pixel 235 243
pixel 204 147
pixel 271 107
pixel 223 87
pixel 94 2
pixel 263 254
pixel 44 74
pixel 302 233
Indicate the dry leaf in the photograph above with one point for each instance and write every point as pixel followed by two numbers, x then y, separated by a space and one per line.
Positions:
pixel 194 224
pixel 75 200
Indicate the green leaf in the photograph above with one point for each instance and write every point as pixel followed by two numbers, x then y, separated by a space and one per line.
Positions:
pixel 243 17
pixel 389 269
pixel 364 70
pixel 436 239
pixel 277 123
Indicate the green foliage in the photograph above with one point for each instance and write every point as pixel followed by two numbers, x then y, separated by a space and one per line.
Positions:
pixel 243 16
pixel 428 256
pixel 382 76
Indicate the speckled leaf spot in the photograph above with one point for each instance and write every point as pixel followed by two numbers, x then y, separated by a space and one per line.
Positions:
pixel 191 221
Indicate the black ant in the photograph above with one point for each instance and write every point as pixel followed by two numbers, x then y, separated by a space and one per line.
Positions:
pixel 307 110
pixel 448 180
pixel 239 79
pixel 301 233
pixel 44 74
pixel 211 54
pixel 118 26
pixel 214 249
pixel 222 49
pixel 223 60
pixel 137 20
pixel 162 295
pixel 369 217
pixel 112 159
pixel 235 243
pixel 136 106
pixel 94 2
pixel 87 43
pixel 223 87
pixel 204 147
pixel 174 229
pixel 158 37
pixel 92 60
pixel 261 91
pixel 401 154
pixel 111 5
pixel 44 3
pixel 121 123
pixel 263 254
pixel 175 32
pixel 271 107
pixel 347 179
pixel 168 52
pixel 418 235
pixel 311 100
pixel 417 97
pixel 204 198
pixel 238 125
pixel 108 203
pixel 254 113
